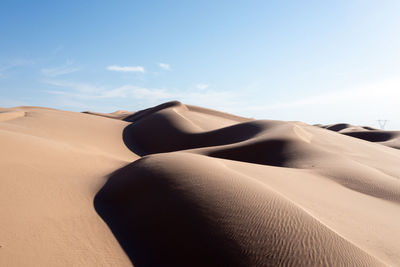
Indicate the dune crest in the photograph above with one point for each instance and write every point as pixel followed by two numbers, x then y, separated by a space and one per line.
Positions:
pixel 386 138
pixel 6 115
pixel 169 137
pixel 179 185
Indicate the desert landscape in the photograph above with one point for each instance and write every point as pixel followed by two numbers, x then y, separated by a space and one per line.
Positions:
pixel 182 185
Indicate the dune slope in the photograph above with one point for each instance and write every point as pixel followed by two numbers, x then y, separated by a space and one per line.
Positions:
pixel 201 213
pixel 387 138
pixel 179 185
pixel 52 163
pixel 193 162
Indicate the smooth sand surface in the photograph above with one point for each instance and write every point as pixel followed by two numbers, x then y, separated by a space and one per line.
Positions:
pixel 119 115
pixel 179 185
pixel 52 164
pixel 387 138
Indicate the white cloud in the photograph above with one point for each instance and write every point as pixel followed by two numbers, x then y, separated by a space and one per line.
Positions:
pixel 126 68
pixel 202 86
pixel 83 89
pixel 361 105
pixel 88 91
pixel 60 70
pixel 95 97
pixel 136 92
pixel 164 66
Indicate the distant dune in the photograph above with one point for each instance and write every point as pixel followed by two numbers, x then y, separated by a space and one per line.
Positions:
pixel 180 185
pixel 387 138
pixel 6 115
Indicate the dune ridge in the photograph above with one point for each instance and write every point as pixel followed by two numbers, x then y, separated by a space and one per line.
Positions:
pixel 187 206
pixel 180 185
pixel 172 133
pixel 386 138
pixel 52 165
pixel 9 115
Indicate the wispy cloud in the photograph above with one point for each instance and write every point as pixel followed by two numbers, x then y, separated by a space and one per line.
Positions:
pixel 84 91
pixel 6 102
pixel 75 88
pixel 375 94
pixel 202 86
pixel 88 91
pixel 164 66
pixel 135 92
pixel 66 68
pixel 361 104
pixel 19 62
pixel 126 68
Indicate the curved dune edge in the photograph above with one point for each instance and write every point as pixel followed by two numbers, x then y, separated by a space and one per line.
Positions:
pixel 6 115
pixel 199 187
pixel 118 115
pixel 52 164
pixel 386 138
pixel 211 176
pixel 199 213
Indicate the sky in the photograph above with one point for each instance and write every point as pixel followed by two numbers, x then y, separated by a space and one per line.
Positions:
pixel 312 61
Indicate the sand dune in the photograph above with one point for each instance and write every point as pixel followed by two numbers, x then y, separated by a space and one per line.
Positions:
pixel 387 138
pixel 52 165
pixel 187 206
pixel 9 115
pixel 179 185
pixel 119 115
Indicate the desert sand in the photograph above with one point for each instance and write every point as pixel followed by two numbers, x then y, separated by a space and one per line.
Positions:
pixel 179 185
pixel 387 138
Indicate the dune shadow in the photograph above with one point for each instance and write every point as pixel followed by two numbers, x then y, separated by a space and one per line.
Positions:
pixel 156 221
pixel 337 127
pixel 266 152
pixel 159 136
pixel 372 136
pixel 157 224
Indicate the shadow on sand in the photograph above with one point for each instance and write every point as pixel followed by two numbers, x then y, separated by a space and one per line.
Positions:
pixel 158 225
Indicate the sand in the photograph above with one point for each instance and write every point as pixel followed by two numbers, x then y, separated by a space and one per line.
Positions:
pixel 179 185
pixel 387 138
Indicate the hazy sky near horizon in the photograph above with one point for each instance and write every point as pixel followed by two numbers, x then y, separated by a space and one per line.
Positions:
pixel 313 61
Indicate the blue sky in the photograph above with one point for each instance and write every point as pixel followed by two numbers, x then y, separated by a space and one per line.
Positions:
pixel 313 61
